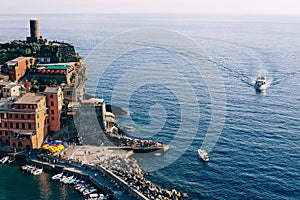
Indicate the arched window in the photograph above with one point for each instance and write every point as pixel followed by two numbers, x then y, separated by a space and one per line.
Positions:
pixel 14 144
pixel 20 145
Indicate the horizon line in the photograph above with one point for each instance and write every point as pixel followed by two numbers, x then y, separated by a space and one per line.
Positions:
pixel 165 13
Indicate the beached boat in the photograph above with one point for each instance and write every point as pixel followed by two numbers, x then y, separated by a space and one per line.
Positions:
pixel 260 84
pixel 4 159
pixel 37 171
pixel 203 155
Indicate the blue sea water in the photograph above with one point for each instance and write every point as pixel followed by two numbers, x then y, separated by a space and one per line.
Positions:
pixel 256 155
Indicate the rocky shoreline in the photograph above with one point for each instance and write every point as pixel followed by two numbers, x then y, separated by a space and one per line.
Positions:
pixel 129 170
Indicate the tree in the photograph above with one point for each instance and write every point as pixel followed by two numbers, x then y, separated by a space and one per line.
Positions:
pixel 27 51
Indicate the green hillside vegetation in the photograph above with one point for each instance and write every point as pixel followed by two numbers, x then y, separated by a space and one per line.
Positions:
pixel 56 51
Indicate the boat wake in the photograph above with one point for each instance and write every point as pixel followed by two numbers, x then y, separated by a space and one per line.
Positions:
pixel 284 77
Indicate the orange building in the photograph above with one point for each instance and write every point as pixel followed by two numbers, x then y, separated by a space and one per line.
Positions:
pixel 54 98
pixel 23 123
pixel 17 68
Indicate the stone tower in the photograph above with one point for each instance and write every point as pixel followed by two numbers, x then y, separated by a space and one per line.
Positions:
pixel 34 31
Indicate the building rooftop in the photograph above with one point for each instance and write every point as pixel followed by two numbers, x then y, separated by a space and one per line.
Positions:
pixel 93 101
pixel 53 90
pixel 17 59
pixel 5 103
pixel 53 64
pixel 11 85
pixel 14 61
pixel 30 98
pixel 4 83
pixel 63 67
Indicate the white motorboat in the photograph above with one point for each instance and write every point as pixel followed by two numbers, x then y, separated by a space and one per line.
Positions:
pixel 83 188
pixel 67 180
pixel 57 176
pixel 11 159
pixel 89 191
pixel 261 84
pixel 4 159
pixel 38 171
pixel 203 155
pixel 94 196
pixel 64 178
pixel 73 180
pixel 33 170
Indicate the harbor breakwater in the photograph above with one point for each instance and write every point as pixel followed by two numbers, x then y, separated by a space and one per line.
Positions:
pixel 112 171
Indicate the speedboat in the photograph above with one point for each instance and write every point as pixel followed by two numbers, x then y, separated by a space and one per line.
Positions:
pixel 203 155
pixel 38 171
pixel 4 159
pixel 261 84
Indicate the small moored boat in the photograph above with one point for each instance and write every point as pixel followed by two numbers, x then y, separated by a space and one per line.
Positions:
pixel 4 159
pixel 57 176
pixel 203 155
pixel 30 168
pixel 11 159
pixel 89 191
pixel 67 180
pixel 25 167
pixel 37 171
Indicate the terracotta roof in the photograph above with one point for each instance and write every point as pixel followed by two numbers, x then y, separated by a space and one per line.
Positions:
pixel 52 90
pixel 30 98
